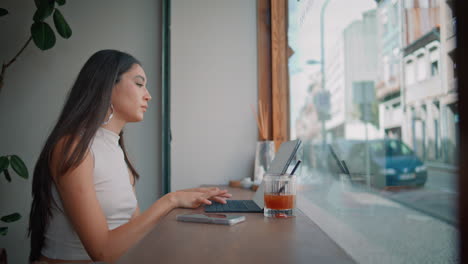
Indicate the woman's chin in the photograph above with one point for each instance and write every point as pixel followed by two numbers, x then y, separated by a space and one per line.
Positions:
pixel 135 119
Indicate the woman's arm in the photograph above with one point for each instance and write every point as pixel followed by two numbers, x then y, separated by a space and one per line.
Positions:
pixel 79 198
pixel 133 183
pixel 137 210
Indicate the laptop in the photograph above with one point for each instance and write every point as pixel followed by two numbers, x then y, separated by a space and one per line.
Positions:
pixel 279 166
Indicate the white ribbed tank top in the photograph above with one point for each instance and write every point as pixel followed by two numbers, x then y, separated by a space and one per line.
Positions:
pixel 114 193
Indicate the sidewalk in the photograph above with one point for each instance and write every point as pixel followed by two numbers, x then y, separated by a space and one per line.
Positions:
pixel 441 166
pixel 373 228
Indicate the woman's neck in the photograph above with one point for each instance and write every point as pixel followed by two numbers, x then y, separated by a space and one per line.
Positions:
pixel 115 125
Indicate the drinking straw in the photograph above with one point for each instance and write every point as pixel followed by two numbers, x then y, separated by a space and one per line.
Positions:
pixel 295 167
pixel 292 173
pixel 345 167
pixel 340 165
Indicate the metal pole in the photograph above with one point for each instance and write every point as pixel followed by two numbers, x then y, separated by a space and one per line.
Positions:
pixel 366 105
pixel 322 65
pixel 166 97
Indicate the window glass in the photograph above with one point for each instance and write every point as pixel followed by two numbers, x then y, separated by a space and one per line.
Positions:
pixel 434 68
pixel 409 72
pixel 434 57
pixel 367 84
pixel 421 67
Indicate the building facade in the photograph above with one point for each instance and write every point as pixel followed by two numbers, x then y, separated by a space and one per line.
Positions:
pixel 429 92
pixel 389 75
pixel 351 62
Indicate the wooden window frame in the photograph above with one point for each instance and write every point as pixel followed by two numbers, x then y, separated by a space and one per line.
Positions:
pixel 273 75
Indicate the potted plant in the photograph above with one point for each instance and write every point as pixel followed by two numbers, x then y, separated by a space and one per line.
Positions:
pixel 44 38
pixel 41 33
pixel 19 167
pixel 14 162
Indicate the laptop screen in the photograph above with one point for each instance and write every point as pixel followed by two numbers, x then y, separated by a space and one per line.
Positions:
pixel 258 197
pixel 284 156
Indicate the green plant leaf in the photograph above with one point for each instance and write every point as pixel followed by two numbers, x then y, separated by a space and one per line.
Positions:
pixel 3 230
pixel 17 164
pixel 4 163
pixel 43 35
pixel 60 2
pixel 11 218
pixel 7 175
pixel 3 12
pixel 40 2
pixel 44 10
pixel 61 25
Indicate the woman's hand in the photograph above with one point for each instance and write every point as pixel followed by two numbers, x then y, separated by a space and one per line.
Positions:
pixel 193 199
pixel 218 198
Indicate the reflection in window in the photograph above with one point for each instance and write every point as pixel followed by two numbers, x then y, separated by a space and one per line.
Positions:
pixel 386 72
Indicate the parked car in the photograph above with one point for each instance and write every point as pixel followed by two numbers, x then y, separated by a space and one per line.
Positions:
pixel 391 163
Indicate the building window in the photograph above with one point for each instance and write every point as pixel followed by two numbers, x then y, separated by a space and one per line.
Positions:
pixel 434 59
pixel 409 73
pixel 434 68
pixel 421 66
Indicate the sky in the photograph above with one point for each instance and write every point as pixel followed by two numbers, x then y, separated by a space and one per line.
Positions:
pixel 304 39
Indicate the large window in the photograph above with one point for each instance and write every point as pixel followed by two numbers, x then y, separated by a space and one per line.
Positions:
pixel 380 163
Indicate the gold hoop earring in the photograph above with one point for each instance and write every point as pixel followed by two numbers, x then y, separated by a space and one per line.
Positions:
pixel 110 116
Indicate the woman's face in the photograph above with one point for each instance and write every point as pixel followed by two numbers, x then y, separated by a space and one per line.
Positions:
pixel 130 96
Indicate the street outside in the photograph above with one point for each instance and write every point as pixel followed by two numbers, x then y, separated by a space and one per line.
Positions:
pixel 437 198
pixel 394 226
pixel 386 76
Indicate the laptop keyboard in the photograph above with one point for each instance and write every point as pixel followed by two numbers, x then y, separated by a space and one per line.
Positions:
pixel 233 206
pixel 237 205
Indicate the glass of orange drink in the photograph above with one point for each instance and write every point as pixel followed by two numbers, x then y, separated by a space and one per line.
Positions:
pixel 280 195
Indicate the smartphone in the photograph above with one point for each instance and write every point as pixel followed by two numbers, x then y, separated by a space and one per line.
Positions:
pixel 222 219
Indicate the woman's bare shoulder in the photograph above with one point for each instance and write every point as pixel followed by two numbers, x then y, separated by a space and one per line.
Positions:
pixel 63 149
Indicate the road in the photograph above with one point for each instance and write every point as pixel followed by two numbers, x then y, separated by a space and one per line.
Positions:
pixel 441 180
pixel 438 197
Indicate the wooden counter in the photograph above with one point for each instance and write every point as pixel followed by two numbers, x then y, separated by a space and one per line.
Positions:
pixel 257 240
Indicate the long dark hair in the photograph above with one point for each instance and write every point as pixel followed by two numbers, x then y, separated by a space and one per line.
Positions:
pixel 83 113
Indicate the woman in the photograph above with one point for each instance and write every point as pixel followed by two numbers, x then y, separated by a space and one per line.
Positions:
pixel 84 206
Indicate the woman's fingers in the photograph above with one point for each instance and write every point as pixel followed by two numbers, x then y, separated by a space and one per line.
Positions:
pixel 207 189
pixel 210 190
pixel 204 201
pixel 226 195
pixel 214 193
pixel 193 198
pixel 219 199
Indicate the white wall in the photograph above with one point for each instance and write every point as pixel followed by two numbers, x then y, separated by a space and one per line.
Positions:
pixel 37 83
pixel 213 84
